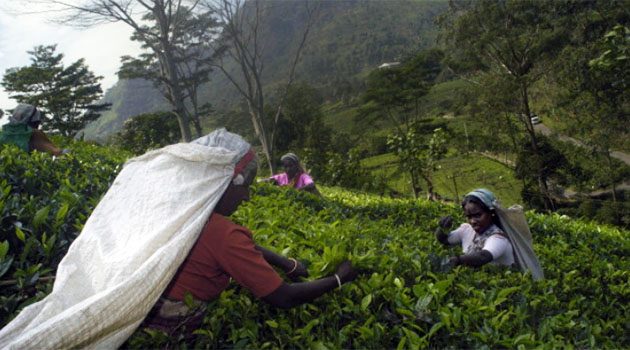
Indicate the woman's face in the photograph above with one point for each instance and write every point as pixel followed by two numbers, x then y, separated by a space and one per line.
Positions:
pixel 478 218
pixel 232 198
pixel 290 167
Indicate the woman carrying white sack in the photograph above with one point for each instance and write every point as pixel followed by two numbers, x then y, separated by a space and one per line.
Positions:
pixel 136 239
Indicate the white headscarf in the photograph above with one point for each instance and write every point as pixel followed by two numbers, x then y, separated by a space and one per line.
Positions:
pixel 25 113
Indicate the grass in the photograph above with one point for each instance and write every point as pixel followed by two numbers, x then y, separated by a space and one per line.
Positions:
pixel 456 176
pixel 341 120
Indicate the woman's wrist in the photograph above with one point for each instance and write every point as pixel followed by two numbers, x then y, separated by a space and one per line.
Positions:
pixel 456 260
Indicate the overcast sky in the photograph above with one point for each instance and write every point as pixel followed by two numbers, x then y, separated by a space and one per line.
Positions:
pixel 101 47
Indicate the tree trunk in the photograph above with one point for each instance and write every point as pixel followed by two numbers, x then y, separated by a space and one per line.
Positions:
pixel 414 185
pixel 257 120
pixel 430 188
pixel 184 126
pixel 174 90
pixel 543 188
pixel 612 185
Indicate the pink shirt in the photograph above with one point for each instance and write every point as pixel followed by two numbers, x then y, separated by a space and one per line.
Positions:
pixel 302 181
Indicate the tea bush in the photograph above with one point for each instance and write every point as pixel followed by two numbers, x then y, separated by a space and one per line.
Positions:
pixel 44 202
pixel 405 298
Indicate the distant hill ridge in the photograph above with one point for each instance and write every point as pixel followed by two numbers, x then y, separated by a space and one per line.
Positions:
pixel 349 39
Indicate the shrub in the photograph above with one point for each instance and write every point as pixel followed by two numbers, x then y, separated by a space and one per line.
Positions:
pixel 404 299
pixel 44 202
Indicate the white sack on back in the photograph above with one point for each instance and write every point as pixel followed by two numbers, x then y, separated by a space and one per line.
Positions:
pixel 129 250
pixel 514 223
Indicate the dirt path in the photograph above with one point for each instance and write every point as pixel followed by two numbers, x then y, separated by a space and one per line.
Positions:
pixel 543 129
pixel 624 157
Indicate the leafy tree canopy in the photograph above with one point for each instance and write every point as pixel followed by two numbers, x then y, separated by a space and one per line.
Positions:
pixel 66 95
pixel 148 131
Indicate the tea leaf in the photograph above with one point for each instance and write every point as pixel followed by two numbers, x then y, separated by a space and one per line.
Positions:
pixel 19 234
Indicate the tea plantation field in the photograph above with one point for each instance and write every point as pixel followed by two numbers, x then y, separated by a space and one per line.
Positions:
pixel 404 299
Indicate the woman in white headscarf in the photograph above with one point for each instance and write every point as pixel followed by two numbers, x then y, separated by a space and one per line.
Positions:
pixel 493 235
pixel 482 239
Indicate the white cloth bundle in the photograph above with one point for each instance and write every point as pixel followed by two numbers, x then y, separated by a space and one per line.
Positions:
pixel 514 223
pixel 130 247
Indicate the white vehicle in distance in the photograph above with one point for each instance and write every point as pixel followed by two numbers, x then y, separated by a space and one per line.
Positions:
pixel 534 118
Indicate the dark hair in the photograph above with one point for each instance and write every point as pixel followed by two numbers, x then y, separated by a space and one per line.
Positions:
pixel 477 202
pixel 34 124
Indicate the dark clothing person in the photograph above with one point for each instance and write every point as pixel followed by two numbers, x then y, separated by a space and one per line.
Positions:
pixel 225 251
pixel 23 131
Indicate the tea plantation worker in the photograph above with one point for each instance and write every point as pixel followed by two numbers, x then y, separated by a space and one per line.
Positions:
pixel 294 175
pixel 226 251
pixel 492 235
pixel 155 236
pixel 23 131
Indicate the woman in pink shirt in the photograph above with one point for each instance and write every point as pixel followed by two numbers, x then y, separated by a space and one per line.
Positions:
pixel 293 175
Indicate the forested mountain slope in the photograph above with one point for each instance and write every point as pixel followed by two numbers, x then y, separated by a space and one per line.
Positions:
pixel 349 39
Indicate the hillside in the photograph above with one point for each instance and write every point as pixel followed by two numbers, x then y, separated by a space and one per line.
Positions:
pixel 405 298
pixel 349 39
pixel 128 98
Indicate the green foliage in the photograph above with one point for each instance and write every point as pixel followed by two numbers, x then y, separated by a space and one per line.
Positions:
pixel 67 95
pixel 593 93
pixel 394 93
pixel 178 59
pixel 419 155
pixel 148 131
pixel 457 174
pixel 406 298
pixel 344 169
pixel 615 56
pixel 44 203
pixel 301 127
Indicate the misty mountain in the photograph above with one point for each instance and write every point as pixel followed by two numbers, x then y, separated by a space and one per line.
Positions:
pixel 348 40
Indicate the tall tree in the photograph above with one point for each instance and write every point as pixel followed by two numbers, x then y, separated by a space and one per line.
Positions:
pixel 243 23
pixel 168 21
pixel 508 43
pixel 66 95
pixel 148 131
pixel 393 96
pixel 302 127
pixel 593 92
pixel 418 154
pixel 192 57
